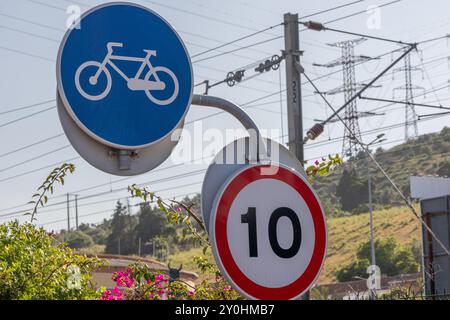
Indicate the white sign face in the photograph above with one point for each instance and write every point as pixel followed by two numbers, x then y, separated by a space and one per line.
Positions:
pixel 237 232
pixel 268 233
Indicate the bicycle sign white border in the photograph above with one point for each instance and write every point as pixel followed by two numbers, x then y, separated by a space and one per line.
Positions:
pixel 67 104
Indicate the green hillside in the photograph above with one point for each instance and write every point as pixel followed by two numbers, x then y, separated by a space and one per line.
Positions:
pixel 427 155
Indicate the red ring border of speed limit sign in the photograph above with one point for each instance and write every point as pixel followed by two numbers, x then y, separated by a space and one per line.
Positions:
pixel 221 249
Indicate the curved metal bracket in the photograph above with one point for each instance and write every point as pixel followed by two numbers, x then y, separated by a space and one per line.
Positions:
pixel 257 144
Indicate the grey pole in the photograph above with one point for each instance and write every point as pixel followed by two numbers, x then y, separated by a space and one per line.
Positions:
pixel 68 214
pixel 294 95
pixel 293 90
pixel 118 247
pixel 139 250
pixel 76 211
pixel 372 240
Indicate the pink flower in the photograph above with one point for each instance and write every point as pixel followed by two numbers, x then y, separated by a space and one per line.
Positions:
pixel 123 279
pixel 317 162
pixel 106 295
pixel 160 279
pixel 113 294
pixel 191 293
pixel 227 288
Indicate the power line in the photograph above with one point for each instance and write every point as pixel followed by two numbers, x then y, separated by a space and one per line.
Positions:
pixel 31 145
pixel 278 37
pixel 29 33
pixel 361 12
pixel 238 49
pixel 26 117
pixel 435 39
pixel 319 27
pixel 234 41
pixel 20 213
pixel 109 210
pixel 269 28
pixel 170 178
pixel 27 54
pixel 331 9
pixel 39 169
pixel 26 107
pixel 35 158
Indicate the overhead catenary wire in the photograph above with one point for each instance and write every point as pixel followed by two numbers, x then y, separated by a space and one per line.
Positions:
pixel 320 26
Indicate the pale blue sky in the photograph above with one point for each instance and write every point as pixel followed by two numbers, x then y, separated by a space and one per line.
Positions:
pixel 28 51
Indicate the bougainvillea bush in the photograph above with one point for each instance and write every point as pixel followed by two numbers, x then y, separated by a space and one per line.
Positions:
pixel 139 282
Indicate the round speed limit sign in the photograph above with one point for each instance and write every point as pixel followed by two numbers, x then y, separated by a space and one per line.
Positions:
pixel 268 232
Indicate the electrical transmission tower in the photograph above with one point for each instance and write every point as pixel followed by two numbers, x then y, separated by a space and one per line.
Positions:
pixel 349 88
pixel 411 130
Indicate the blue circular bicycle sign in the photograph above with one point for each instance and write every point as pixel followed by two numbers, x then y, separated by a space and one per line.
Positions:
pixel 124 76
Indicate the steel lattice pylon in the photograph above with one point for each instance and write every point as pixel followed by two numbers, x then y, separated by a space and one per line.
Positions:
pixel 350 86
pixel 349 146
pixel 411 130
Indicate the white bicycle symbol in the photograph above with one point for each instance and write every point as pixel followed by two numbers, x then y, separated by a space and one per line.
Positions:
pixel 135 84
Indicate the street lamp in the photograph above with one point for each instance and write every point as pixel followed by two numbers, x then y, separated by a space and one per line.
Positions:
pixel 378 139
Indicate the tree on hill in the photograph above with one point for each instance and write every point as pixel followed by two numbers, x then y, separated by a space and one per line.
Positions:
pixel 391 257
pixel 151 223
pixel 122 240
pixel 98 233
pixel 352 190
pixel 444 169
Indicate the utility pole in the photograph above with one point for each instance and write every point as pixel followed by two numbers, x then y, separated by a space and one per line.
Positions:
pixel 378 139
pixel 294 96
pixel 68 213
pixel 293 90
pixel 118 247
pixel 76 211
